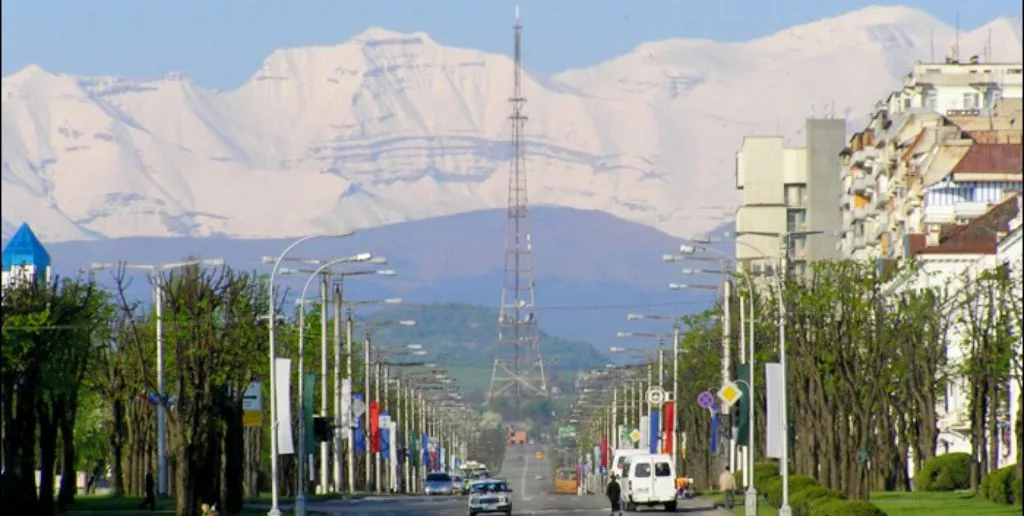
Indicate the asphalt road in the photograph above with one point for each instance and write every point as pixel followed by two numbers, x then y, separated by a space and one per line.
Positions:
pixel 531 483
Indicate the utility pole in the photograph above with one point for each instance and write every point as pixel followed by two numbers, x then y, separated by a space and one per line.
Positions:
pixel 339 418
pixel 785 509
pixel 325 459
pixel 366 387
pixel 350 450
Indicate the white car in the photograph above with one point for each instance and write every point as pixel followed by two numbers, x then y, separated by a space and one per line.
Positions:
pixel 491 495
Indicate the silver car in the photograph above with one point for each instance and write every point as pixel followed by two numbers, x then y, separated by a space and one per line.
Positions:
pixel 489 496
pixel 438 484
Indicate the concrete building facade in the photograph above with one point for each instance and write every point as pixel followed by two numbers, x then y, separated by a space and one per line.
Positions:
pixel 941 150
pixel 789 190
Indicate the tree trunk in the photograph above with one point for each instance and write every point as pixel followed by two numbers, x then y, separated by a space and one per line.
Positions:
pixel 234 460
pixel 992 461
pixel 47 459
pixel 69 474
pixel 116 439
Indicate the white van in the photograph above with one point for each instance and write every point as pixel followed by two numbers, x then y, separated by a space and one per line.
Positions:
pixel 619 458
pixel 650 479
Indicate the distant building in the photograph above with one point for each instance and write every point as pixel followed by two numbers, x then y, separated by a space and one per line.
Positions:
pixel 789 190
pixel 941 150
pixel 25 259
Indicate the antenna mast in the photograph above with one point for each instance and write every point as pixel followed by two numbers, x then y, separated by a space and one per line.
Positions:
pixel 517 363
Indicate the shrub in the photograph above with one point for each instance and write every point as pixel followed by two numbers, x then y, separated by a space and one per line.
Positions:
pixel 848 508
pixel 805 500
pixel 797 483
pixel 948 472
pixel 997 486
pixel 1016 488
pixel 770 488
pixel 764 471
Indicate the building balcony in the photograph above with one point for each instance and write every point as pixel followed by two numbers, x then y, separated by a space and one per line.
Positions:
pixel 881 199
pixel 859 242
pixel 952 213
pixel 862 183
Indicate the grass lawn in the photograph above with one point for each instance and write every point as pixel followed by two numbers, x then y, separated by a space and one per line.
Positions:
pixel 940 504
pixel 907 504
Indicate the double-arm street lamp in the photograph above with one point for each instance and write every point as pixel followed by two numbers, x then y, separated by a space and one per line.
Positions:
pixel 275 509
pixel 156 277
pixel 781 274
pixel 300 498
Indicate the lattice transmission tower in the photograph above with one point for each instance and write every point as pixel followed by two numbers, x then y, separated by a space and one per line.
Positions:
pixel 518 366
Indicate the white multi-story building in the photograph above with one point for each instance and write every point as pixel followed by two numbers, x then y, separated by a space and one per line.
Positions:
pixel 903 172
pixel 958 89
pixel 947 260
pixel 789 190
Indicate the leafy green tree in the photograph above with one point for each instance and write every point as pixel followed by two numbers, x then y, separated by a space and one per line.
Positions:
pixel 48 341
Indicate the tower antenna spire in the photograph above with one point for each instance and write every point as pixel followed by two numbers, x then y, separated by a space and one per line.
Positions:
pixel 518 367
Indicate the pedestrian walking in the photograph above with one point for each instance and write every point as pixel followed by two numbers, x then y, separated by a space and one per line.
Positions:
pixel 614 493
pixel 727 485
pixel 150 500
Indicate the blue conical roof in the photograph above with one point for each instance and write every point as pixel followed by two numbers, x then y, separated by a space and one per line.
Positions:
pixel 25 249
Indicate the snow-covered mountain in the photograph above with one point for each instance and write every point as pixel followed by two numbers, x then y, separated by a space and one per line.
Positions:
pixel 390 127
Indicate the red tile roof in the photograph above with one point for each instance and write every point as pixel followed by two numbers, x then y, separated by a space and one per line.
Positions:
pixel 979 236
pixel 990 157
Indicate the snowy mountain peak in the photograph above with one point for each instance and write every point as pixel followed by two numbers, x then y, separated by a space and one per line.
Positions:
pixel 390 126
pixel 377 34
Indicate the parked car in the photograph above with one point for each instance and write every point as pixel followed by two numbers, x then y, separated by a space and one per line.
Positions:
pixel 438 484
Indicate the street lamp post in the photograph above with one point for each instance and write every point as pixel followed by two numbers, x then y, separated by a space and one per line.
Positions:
pixel 272 355
pixel 362 257
pixel 158 295
pixel 750 499
pixel 781 275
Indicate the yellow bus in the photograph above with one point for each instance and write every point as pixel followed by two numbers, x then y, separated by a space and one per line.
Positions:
pixel 565 481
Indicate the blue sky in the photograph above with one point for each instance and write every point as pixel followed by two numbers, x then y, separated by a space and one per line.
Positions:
pixel 220 43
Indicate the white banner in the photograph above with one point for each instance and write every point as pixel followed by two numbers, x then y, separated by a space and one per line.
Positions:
pixel 393 454
pixel 774 420
pixel 346 406
pixel 282 382
pixel 645 432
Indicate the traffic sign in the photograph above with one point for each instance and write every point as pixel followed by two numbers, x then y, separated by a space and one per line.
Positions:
pixel 655 396
pixel 705 399
pixel 730 393
pixel 358 407
pixel 635 435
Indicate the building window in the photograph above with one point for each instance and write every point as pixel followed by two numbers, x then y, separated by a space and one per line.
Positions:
pixel 931 99
pixel 970 101
pixel 796 220
pixel 796 195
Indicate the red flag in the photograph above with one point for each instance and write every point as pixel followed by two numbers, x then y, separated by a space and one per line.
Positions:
pixel 670 426
pixel 374 415
pixel 604 451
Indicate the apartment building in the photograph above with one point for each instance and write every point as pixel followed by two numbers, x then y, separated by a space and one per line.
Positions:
pixel 789 190
pixel 941 150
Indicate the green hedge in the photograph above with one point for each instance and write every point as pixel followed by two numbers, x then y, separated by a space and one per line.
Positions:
pixel 797 483
pixel 804 501
pixel 847 508
pixel 949 472
pixel 998 486
pixel 1018 490
pixel 764 471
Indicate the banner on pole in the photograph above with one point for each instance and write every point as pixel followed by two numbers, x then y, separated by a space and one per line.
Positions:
pixel 653 431
pixel 283 425
pixel 307 416
pixel 670 426
pixel 346 406
pixel 774 418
